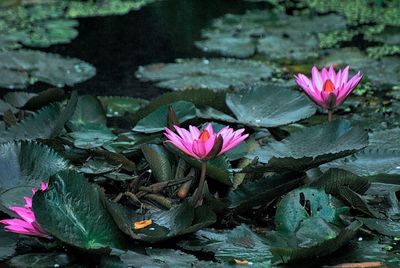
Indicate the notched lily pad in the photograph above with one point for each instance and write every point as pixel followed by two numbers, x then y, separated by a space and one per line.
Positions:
pixel 215 74
pixel 299 151
pixel 268 105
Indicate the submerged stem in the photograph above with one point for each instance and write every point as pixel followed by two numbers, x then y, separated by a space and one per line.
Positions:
pixel 198 196
pixel 330 114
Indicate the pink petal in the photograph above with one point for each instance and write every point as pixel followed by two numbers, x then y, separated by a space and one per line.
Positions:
pixel 316 78
pixel 25 213
pixel 198 148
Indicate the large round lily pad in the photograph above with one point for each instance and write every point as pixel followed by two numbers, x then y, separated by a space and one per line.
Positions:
pixel 312 147
pixel 24 67
pixel 216 74
pixel 269 106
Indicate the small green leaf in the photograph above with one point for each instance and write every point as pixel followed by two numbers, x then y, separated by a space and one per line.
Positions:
pixel 159 161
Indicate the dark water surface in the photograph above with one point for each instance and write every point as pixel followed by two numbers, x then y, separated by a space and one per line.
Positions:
pixel 159 32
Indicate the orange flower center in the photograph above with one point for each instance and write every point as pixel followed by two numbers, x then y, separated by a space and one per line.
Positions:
pixel 328 87
pixel 204 135
pixel 142 224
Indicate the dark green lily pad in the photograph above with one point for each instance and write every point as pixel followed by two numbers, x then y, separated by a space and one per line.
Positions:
pixel 179 220
pixel 267 106
pixel 253 193
pixel 334 178
pixel 118 106
pixel 329 141
pixel 273 34
pixel 241 243
pixel 292 254
pixel 159 161
pixel 13 197
pixel 372 163
pixel 157 120
pixel 27 164
pixel 67 208
pixel 23 67
pixel 5 106
pixel 92 138
pixel 8 244
pixel 385 139
pixel 385 227
pixel 302 203
pixel 18 99
pixel 40 260
pixel 89 114
pixel 97 167
pixel 215 74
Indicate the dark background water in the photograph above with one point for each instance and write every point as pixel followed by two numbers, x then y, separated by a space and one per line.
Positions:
pixel 159 32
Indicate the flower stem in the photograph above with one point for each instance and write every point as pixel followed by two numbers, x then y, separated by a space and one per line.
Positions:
pixel 198 196
pixel 330 114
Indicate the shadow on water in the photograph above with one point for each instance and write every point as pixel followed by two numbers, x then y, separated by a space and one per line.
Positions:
pixel 159 32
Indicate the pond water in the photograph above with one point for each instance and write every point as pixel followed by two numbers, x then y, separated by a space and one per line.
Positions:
pixel 159 32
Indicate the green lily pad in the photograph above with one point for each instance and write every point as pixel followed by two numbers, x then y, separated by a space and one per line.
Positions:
pixel 385 227
pixel 241 243
pixel 28 164
pixel 97 167
pixel 92 138
pixel 385 139
pixel 267 106
pixel 40 260
pixel 23 67
pixel 372 163
pixel 179 220
pixel 215 74
pixel 13 197
pixel 308 237
pixel 18 99
pixel 47 123
pixel 67 210
pixel 8 244
pixel 251 194
pixel 302 203
pixel 157 120
pixel 5 106
pixel 299 151
pixel 334 178
pixel 89 114
pixel 291 254
pixel 118 106
pixel 159 161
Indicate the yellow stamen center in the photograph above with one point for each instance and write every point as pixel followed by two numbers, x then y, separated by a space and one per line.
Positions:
pixel 142 224
pixel 328 87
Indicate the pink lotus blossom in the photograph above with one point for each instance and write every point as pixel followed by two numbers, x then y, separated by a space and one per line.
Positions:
pixel 328 88
pixel 199 144
pixel 27 225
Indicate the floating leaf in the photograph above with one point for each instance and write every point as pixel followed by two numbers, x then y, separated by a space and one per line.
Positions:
pixel 385 227
pixel 89 114
pixel 216 74
pixel 372 163
pixel 23 67
pixel 159 161
pixel 269 106
pixel 179 220
pixel 40 260
pixel 334 178
pixel 67 208
pixel 385 139
pixel 329 141
pixel 92 138
pixel 8 244
pixel 27 164
pixel 241 243
pixel 13 197
pixel 358 202
pixel 157 120
pixel 303 203
pixel 118 106
pixel 18 99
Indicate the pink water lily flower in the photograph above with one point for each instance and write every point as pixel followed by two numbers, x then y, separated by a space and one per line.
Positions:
pixel 328 88
pixel 199 144
pixel 27 225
